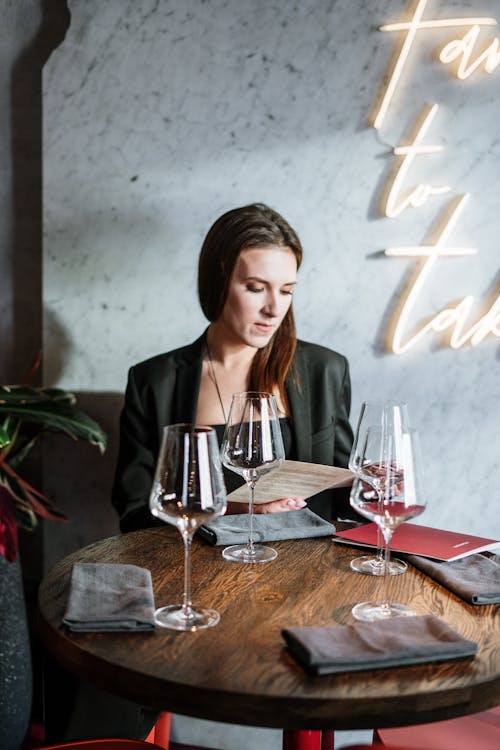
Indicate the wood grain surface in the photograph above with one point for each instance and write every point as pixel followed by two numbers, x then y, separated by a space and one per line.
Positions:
pixel 238 671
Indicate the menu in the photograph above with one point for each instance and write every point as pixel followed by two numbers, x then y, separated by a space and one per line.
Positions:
pixel 294 479
pixel 415 539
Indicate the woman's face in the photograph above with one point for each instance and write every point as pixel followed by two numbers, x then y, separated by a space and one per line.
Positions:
pixel 259 295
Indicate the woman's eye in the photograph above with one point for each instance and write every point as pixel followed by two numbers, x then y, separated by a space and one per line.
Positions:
pixel 254 289
pixel 287 291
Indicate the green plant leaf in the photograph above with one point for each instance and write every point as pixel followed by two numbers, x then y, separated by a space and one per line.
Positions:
pixel 25 516
pixel 28 412
pixel 27 498
pixel 26 519
pixel 21 452
pixel 8 432
pixel 25 394
pixel 4 437
pixel 53 410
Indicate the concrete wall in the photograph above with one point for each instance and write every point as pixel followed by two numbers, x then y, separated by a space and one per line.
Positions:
pixel 160 116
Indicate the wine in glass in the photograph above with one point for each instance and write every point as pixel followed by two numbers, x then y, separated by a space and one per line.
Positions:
pixel 392 418
pixel 392 467
pixel 188 490
pixel 252 446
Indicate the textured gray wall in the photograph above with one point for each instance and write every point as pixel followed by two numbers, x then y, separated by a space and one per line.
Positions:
pixel 159 116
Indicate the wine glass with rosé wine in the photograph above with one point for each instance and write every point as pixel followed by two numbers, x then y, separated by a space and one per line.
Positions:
pixel 392 418
pixel 188 490
pixel 389 492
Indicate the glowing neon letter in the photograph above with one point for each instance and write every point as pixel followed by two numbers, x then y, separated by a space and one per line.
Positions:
pixel 463 48
pixel 421 193
pixel 432 252
pixel 489 323
pixel 411 27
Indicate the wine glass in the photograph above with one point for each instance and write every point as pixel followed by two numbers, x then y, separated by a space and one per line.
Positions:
pixel 188 490
pixel 392 470
pixel 252 446
pixel 392 417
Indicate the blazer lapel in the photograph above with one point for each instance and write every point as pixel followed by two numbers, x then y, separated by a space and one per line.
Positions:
pixel 299 397
pixel 188 385
pixel 188 381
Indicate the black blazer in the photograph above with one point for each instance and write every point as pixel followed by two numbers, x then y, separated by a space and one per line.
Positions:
pixel 164 390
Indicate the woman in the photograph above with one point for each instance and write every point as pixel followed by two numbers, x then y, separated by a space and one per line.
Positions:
pixel 247 273
pixel 246 277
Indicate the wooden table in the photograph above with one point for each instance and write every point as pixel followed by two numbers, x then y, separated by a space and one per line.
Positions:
pixel 238 671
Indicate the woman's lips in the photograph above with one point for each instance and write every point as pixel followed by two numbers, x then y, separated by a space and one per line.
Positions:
pixel 264 327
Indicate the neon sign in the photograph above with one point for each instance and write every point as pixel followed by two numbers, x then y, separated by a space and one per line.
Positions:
pixel 458 47
pixel 452 319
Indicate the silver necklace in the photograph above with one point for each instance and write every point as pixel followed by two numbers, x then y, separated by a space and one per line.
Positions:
pixel 214 378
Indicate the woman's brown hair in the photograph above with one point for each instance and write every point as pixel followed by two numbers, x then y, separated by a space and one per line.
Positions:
pixel 243 228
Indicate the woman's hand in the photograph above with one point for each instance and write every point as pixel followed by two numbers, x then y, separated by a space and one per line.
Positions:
pixel 278 506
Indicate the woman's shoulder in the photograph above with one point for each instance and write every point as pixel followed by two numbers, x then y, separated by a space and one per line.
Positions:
pixel 320 355
pixel 161 364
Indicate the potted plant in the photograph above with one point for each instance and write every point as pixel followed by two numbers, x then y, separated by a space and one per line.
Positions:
pixel 25 414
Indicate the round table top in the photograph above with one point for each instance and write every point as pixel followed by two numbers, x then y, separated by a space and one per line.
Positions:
pixel 239 671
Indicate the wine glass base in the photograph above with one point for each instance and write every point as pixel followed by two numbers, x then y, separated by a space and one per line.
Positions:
pixel 242 553
pixel 372 566
pixel 173 618
pixel 371 611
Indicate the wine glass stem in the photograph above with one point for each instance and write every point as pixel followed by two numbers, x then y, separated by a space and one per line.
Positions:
pixel 387 534
pixel 250 518
pixel 380 547
pixel 387 555
pixel 187 608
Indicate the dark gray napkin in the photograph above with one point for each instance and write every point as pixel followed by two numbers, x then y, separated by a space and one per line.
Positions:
pixel 475 578
pixel 267 527
pixel 351 648
pixel 105 597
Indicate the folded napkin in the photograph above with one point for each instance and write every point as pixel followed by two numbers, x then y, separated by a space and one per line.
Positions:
pixel 475 578
pixel 267 527
pixel 351 648
pixel 104 597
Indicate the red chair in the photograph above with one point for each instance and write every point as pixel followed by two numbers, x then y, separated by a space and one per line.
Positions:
pixel 157 739
pixel 160 734
pixel 109 744
pixel 115 744
pixel 474 732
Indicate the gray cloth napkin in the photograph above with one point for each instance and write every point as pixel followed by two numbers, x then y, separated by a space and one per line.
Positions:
pixel 113 598
pixel 374 645
pixel 475 578
pixel 267 527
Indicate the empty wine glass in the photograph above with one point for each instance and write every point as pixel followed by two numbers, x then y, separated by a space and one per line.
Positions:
pixel 188 490
pixel 252 446
pixel 390 491
pixel 392 418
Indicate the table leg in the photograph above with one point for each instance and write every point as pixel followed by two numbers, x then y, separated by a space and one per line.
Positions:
pixel 305 739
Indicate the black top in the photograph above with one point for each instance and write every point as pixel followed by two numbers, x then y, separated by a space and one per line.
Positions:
pixel 164 390
pixel 233 480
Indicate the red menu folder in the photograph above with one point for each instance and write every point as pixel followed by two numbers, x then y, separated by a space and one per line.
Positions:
pixel 420 540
